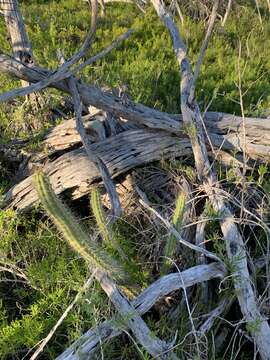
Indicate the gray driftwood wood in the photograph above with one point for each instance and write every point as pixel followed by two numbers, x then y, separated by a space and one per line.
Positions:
pixel 130 149
pixel 88 343
pixel 73 171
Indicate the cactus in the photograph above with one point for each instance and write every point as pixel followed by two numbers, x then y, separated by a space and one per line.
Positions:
pixel 172 241
pixel 99 214
pixel 73 233
pixel 107 231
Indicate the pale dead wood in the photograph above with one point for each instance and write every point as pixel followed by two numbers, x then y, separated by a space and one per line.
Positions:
pixel 268 4
pixel 90 341
pixel 208 324
pixel 200 241
pixel 204 45
pixel 228 9
pixel 20 43
pixel 258 10
pixel 257 130
pixel 63 71
pixel 21 46
pixel 105 175
pixel 145 203
pixel 119 153
pixel 104 52
pixel 220 123
pixel 130 316
pixel 234 242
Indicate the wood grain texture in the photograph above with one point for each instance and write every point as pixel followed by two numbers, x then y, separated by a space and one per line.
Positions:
pixel 73 171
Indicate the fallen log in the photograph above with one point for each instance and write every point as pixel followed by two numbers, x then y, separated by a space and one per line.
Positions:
pixel 257 132
pixel 73 171
pixel 129 149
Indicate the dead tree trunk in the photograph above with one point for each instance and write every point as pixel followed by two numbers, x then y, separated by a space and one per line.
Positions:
pixel 21 46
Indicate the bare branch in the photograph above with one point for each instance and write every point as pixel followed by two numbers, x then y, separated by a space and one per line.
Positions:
pixel 204 46
pixel 107 180
pixel 144 202
pixel 156 347
pixel 20 43
pixel 45 341
pixel 63 71
pixel 227 13
pixel 208 324
pixel 104 52
pixel 89 342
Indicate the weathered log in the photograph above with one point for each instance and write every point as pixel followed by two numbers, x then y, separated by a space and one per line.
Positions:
pixel 130 149
pixel 257 129
pixel 225 131
pixel 73 171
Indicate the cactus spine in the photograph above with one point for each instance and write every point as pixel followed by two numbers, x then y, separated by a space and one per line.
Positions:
pixel 171 244
pixel 73 232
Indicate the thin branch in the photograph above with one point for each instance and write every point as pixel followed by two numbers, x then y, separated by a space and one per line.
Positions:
pixel 78 296
pixel 104 52
pixel 90 341
pixel 133 320
pixel 208 324
pixel 144 202
pixel 63 72
pixel 107 180
pixel 204 46
pixel 227 13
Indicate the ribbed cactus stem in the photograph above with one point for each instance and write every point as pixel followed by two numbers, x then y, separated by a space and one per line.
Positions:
pixel 171 244
pixel 100 217
pixel 72 232
pixel 106 230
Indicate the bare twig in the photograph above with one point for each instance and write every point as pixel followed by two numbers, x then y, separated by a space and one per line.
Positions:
pixel 107 180
pixel 204 46
pixel 104 52
pixel 63 71
pixel 228 9
pixel 208 324
pixel 200 241
pixel 78 296
pixel 258 10
pixel 144 202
